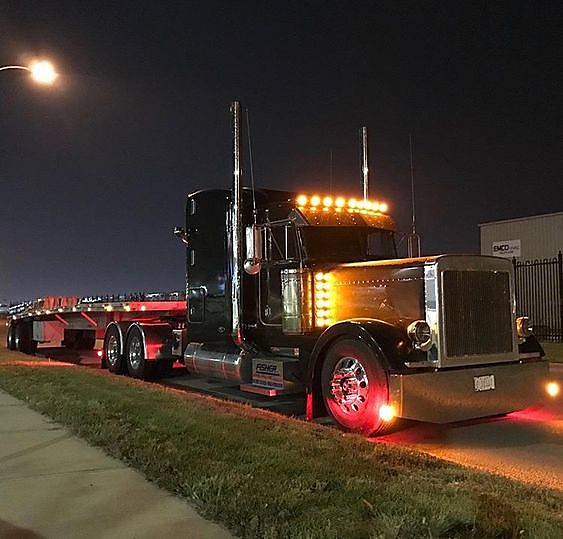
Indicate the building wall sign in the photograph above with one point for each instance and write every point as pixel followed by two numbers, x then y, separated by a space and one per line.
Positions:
pixel 507 248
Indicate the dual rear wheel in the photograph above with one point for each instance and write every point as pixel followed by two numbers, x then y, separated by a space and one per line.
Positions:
pixel 127 357
pixel 20 338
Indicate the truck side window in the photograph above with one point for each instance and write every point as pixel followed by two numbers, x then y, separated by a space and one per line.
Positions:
pixel 281 248
pixel 281 243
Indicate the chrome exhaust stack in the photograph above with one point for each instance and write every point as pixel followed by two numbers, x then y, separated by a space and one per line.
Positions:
pixel 210 360
pixel 236 261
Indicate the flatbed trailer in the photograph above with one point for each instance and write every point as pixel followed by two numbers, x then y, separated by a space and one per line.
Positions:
pixel 81 323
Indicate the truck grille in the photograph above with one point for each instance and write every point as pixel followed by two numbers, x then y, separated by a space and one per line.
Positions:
pixel 477 312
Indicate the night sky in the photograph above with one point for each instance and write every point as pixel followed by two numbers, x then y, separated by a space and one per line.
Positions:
pixel 94 170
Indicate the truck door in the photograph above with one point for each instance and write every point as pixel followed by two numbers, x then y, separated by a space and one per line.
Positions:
pixel 281 253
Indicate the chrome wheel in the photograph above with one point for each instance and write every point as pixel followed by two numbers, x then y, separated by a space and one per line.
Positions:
pixel 354 386
pixel 113 351
pixel 349 385
pixel 135 353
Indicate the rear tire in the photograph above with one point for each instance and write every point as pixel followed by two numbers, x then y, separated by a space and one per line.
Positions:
pixel 354 387
pixel 137 364
pixel 113 350
pixel 23 338
pixel 11 338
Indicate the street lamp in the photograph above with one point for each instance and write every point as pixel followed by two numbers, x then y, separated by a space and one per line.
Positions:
pixel 41 71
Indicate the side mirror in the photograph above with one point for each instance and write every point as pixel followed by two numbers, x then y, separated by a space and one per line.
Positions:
pixel 181 234
pixel 254 257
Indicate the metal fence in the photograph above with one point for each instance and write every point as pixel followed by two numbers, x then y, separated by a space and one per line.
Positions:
pixel 539 295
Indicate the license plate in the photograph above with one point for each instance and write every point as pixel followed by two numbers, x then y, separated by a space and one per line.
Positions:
pixel 484 383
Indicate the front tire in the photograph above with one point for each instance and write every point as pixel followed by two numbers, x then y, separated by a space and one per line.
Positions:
pixel 354 387
pixel 137 364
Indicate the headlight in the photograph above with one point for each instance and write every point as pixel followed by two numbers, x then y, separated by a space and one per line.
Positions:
pixel 523 327
pixel 420 334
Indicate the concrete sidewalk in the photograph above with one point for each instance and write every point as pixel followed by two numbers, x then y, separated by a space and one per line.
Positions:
pixel 53 485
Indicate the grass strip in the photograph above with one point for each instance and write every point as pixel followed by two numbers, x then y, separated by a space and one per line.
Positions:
pixel 553 351
pixel 267 476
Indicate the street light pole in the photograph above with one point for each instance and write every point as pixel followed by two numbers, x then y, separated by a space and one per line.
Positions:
pixel 42 72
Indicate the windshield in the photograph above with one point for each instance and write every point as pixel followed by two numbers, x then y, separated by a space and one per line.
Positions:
pixel 347 243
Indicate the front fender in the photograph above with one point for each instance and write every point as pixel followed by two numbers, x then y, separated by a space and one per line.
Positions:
pixel 388 343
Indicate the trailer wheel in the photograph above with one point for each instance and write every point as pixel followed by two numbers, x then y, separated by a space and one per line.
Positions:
pixel 113 347
pixel 137 365
pixel 11 338
pixel 354 387
pixel 23 338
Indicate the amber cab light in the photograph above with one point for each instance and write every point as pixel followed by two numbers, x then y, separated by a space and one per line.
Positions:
pixel 552 389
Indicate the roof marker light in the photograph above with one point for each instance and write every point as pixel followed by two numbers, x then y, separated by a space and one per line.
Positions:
pixel 301 200
pixel 383 207
pixel 315 200
pixel 340 202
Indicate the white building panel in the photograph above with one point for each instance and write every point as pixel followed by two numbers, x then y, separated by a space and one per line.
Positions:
pixel 527 238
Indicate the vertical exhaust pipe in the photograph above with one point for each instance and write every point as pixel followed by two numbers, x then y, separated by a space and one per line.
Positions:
pixel 364 160
pixel 236 230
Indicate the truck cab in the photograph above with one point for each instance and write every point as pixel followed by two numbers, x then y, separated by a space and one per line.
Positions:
pixel 325 306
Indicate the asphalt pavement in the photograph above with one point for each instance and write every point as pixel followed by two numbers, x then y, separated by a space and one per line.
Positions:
pixel 525 445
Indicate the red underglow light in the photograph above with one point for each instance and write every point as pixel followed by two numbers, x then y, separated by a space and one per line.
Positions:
pixel 531 414
pixel 309 407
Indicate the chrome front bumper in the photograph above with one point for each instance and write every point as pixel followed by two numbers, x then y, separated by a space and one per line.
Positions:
pixel 449 395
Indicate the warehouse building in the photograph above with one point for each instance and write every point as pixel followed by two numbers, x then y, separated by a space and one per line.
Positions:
pixel 535 245
pixel 527 238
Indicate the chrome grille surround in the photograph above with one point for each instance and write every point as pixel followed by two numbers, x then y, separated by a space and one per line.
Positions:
pixel 470 306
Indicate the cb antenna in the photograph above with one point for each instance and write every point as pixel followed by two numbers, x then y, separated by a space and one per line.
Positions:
pixel 252 186
pixel 331 173
pixel 413 243
pixel 364 160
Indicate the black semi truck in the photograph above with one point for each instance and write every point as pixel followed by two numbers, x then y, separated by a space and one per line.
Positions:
pixel 288 293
